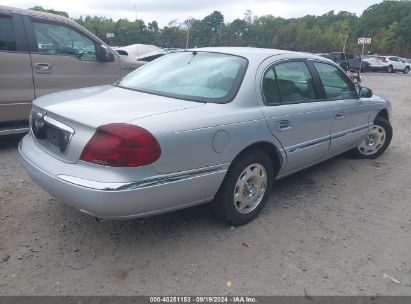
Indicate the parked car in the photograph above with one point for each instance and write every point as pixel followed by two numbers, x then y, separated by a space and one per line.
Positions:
pixel 212 124
pixel 139 52
pixel 390 64
pixel 367 58
pixel 349 61
pixel 325 55
pixel 41 53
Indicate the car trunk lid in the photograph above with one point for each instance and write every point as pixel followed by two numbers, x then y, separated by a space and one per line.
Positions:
pixel 96 106
pixel 62 123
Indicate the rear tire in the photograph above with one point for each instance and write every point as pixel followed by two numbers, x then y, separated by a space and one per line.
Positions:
pixel 390 69
pixel 245 189
pixel 376 142
pixel 406 70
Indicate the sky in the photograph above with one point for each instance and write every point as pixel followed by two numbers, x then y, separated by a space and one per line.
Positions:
pixel 164 11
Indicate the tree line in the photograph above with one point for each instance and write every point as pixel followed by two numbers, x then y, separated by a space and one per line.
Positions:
pixel 387 23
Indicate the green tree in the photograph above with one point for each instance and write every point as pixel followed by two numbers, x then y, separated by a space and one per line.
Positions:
pixel 52 11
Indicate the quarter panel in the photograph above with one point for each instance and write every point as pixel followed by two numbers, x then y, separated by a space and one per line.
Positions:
pixel 186 139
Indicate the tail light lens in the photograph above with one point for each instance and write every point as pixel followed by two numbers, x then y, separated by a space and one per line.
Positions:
pixel 121 145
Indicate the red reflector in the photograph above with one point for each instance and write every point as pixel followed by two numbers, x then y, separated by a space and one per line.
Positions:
pixel 121 145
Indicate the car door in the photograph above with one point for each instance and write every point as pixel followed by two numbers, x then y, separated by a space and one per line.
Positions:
pixel 16 79
pixel 396 64
pixel 401 64
pixel 65 58
pixel 350 114
pixel 294 116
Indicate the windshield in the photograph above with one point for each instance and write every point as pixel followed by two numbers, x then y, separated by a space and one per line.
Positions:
pixel 194 76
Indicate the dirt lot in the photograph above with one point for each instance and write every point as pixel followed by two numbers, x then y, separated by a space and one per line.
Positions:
pixel 342 227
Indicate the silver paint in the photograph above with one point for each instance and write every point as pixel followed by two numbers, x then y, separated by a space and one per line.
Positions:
pixel 196 152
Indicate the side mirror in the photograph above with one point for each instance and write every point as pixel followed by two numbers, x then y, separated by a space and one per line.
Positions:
pixel 104 54
pixel 365 92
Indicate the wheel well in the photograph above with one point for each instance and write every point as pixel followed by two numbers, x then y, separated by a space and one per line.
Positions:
pixel 384 114
pixel 270 150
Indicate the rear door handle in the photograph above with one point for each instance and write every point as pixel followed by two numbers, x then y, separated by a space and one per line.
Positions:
pixel 339 116
pixel 283 125
pixel 43 68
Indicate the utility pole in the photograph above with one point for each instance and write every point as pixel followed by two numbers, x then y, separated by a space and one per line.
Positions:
pixel 343 44
pixel 138 55
pixel 188 22
pixel 188 33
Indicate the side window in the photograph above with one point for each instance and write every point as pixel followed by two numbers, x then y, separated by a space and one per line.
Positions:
pixel 294 82
pixel 56 39
pixel 336 84
pixel 350 56
pixel 393 59
pixel 7 36
pixel 270 90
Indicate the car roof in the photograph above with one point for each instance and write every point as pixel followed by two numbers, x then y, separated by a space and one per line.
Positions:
pixel 10 9
pixel 49 16
pixel 256 54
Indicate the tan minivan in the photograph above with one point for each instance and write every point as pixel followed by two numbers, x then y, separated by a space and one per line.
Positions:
pixel 41 53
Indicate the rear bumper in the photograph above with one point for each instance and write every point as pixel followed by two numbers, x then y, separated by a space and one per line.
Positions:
pixel 126 199
pixel 378 67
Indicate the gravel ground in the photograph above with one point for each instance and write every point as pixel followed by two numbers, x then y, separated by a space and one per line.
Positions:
pixel 340 228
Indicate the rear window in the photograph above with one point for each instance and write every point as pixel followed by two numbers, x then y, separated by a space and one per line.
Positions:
pixel 7 37
pixel 194 76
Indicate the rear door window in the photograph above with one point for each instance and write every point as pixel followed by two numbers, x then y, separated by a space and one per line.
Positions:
pixel 55 39
pixel 336 84
pixel 7 35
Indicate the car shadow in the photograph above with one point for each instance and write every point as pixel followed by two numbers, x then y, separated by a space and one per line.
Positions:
pixel 289 192
pixel 10 141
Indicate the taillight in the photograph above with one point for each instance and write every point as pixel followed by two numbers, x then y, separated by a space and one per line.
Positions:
pixel 121 145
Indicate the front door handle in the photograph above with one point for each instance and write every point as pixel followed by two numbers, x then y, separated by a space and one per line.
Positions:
pixel 43 68
pixel 339 116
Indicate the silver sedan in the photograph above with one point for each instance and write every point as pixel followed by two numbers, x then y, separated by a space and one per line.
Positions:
pixel 212 125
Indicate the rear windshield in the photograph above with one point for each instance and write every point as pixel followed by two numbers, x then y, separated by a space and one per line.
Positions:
pixel 194 76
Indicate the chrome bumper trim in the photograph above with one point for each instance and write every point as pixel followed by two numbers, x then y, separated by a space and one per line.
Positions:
pixel 149 182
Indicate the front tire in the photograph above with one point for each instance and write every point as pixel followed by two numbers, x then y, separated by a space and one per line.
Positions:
pixel 245 189
pixel 376 142
pixel 406 70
